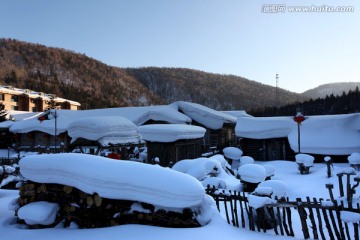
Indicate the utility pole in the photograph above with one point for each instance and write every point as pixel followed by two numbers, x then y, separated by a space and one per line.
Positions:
pixel 277 91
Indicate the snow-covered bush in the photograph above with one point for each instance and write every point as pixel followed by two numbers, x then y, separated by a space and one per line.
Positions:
pixel 9 176
pixel 304 161
pixel 246 160
pixel 233 153
pixel 252 173
pixel 214 172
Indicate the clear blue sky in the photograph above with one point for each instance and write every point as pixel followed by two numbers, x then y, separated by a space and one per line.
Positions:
pixel 234 37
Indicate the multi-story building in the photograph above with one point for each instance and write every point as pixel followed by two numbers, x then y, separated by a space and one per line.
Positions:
pixel 27 100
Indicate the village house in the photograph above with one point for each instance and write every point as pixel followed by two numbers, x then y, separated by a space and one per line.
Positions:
pixel 170 143
pixel 34 132
pixel 17 99
pixel 277 138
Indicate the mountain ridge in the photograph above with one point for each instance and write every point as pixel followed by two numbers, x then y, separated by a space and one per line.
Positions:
pixel 95 84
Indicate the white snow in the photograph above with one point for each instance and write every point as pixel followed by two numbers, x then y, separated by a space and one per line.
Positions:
pixel 252 173
pixel 115 179
pixel 106 130
pixel 137 115
pixel 258 202
pixel 354 158
pixel 264 127
pixel 232 153
pixel 312 185
pixel 170 132
pixel 263 191
pixel 279 188
pixel 39 213
pixel 350 217
pixel 246 160
pixel 208 117
pixel 210 171
pixel 269 170
pixel 328 134
pixel 305 159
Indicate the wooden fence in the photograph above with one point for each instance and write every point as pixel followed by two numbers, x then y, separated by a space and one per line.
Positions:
pixel 8 161
pixel 317 218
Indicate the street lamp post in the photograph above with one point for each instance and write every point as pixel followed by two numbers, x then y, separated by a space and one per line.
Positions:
pixel 299 118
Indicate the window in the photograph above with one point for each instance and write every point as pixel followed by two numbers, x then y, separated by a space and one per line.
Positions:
pixel 14 98
pixel 2 97
pixel 15 108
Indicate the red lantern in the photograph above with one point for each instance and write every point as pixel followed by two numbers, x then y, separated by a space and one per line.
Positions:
pixel 299 118
pixel 45 135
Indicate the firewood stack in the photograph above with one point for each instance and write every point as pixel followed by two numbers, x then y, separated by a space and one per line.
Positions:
pixel 93 211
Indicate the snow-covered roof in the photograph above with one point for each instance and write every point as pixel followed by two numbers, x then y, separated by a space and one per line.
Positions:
pixel 240 113
pixel 208 117
pixel 106 130
pixel 264 127
pixel 176 113
pixel 328 134
pixel 170 132
pixel 137 115
pixel 17 115
pixel 114 179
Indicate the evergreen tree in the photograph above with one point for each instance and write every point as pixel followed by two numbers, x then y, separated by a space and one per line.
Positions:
pixel 3 113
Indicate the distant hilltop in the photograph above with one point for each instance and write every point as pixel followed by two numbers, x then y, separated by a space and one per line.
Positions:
pixel 337 89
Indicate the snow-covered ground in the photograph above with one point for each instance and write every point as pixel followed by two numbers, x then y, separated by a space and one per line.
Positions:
pixel 287 172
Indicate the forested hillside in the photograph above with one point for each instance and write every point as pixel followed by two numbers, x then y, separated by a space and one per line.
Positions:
pixel 70 75
pixel 96 85
pixel 222 92
pixel 331 104
pixel 337 89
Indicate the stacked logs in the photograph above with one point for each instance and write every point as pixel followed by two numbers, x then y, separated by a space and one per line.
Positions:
pixel 93 211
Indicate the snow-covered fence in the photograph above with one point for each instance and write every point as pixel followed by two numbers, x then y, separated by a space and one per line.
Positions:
pixel 318 218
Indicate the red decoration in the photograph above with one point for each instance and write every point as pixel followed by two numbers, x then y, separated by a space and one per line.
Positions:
pixel 299 118
pixel 114 155
pixel 43 117
pixel 45 135
pixel 30 135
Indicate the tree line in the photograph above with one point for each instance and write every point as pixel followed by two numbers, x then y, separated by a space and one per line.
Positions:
pixel 346 103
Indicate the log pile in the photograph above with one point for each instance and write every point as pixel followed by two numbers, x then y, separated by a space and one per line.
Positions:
pixel 93 211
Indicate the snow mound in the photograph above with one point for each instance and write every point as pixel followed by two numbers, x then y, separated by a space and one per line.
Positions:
pixel 112 179
pixel 269 170
pixel 258 202
pixel 199 168
pixel 305 159
pixel 354 158
pixel 278 187
pixel 232 153
pixel 252 173
pixel 350 217
pixel 246 160
pixel 106 130
pixel 42 212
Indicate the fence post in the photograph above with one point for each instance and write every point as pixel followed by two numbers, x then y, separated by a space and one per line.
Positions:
pixel 303 217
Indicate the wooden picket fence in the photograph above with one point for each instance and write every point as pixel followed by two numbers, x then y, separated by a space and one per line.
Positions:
pixel 317 219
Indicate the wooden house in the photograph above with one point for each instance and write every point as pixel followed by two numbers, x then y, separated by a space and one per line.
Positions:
pixel 170 143
pixel 277 138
